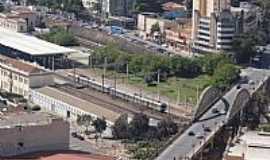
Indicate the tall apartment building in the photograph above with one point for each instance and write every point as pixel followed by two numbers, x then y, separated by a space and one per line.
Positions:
pixel 213 25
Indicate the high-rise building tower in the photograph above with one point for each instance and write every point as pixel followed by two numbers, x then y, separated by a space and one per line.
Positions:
pixel 213 25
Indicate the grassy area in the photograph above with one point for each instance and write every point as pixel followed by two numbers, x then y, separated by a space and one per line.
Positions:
pixel 264 127
pixel 183 88
pixel 144 150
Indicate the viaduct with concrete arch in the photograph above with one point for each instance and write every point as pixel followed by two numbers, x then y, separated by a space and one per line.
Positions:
pixel 214 111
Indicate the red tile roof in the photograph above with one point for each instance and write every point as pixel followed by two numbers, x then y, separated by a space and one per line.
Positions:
pixel 76 157
pixel 62 155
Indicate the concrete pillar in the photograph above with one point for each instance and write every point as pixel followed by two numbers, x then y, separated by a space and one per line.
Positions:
pixel 53 63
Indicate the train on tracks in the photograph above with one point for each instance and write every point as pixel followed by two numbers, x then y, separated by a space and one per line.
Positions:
pixel 85 81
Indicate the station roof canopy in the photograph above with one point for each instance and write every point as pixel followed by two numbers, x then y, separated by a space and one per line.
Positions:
pixel 30 45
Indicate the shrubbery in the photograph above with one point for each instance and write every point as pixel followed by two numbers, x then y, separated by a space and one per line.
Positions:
pixel 60 36
pixel 219 66
pixel 139 129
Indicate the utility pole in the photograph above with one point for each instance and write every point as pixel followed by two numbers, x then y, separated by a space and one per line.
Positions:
pixel 186 102
pixel 105 66
pixel 104 74
pixel 127 71
pixel 114 84
pixel 178 95
pixel 198 94
pixel 158 81
pixel 90 61
pixel 53 63
pixel 103 79
pixel 74 72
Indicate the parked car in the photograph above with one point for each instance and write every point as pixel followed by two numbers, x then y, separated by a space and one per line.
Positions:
pixel 191 133
pixel 215 111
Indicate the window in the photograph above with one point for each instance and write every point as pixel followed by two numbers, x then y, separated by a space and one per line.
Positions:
pixel 68 114
pixel 20 91
pixel 25 93
pixel 20 144
pixel 25 81
pixel 20 79
pixel 15 77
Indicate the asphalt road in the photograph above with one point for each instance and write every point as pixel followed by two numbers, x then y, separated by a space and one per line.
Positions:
pixel 186 145
pixel 78 145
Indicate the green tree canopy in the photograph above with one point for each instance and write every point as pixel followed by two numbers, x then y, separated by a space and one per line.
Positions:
pixel 120 127
pixel 84 120
pixel 167 127
pixel 225 75
pixel 155 28
pixel 100 125
pixel 139 125
pixel 244 47
pixel 60 36
pixel 210 62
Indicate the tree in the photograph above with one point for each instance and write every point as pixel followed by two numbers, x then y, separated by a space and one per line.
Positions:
pixel 60 36
pixel 225 75
pixel 100 125
pixel 149 5
pixel 149 79
pixel 244 48
pixel 84 120
pixel 31 2
pixel 74 6
pixel 120 127
pixel 155 28
pixel 210 62
pixel 166 128
pixel 139 125
pixel 185 67
pixel 2 7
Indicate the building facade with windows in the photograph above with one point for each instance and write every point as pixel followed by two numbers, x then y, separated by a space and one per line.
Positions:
pixel 13 23
pixel 248 15
pixel 18 76
pixel 178 37
pixel 19 19
pixel 110 7
pixel 214 26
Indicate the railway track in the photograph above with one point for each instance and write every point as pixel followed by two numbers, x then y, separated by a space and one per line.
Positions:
pixel 87 43
pixel 114 104
pixel 111 104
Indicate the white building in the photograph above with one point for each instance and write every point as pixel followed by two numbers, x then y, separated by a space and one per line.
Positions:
pixel 23 133
pixel 13 23
pixel 32 49
pixel 110 7
pixel 252 145
pixel 146 20
pixel 18 76
pixel 91 5
pixel 70 106
pixel 19 19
